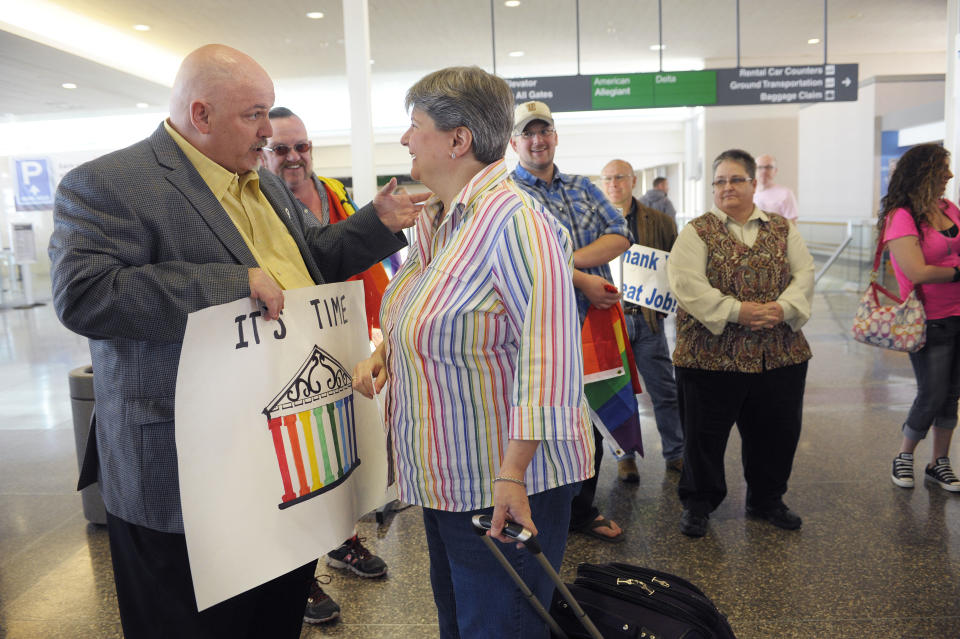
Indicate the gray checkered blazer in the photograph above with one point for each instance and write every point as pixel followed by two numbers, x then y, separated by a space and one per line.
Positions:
pixel 139 242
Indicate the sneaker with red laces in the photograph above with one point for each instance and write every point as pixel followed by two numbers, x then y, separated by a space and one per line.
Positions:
pixel 320 607
pixel 354 556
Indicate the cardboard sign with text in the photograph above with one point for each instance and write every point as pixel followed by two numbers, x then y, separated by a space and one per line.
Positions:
pixel 645 279
pixel 278 457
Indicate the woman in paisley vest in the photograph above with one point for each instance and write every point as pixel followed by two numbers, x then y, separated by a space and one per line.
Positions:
pixel 920 228
pixel 744 282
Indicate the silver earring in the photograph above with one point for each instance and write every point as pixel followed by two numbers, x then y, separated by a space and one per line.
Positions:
pixel 453 156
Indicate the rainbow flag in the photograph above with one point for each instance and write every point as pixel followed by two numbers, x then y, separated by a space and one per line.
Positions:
pixel 611 380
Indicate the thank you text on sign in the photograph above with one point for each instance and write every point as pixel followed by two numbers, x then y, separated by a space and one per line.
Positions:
pixel 645 279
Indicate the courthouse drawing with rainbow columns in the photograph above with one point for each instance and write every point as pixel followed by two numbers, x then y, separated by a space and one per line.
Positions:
pixel 315 412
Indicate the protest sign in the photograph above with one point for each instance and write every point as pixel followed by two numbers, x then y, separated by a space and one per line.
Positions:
pixel 278 457
pixel 645 279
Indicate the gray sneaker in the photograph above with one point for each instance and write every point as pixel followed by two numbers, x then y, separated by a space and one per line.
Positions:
pixel 352 555
pixel 902 473
pixel 942 473
pixel 320 607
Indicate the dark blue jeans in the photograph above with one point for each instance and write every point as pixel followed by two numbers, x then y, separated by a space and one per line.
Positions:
pixel 656 368
pixel 937 369
pixel 474 596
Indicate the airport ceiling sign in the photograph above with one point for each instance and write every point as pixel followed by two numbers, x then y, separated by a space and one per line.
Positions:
pixel 790 84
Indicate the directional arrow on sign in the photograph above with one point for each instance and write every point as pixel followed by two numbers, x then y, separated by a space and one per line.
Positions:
pixel 846 82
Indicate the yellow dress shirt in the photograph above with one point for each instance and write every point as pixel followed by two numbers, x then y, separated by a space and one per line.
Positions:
pixel 261 228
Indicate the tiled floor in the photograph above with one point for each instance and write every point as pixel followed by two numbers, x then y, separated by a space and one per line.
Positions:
pixel 872 560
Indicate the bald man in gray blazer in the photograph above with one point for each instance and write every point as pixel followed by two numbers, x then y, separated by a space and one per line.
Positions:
pixel 140 240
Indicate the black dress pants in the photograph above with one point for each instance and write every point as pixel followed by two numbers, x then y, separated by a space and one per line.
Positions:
pixel 767 408
pixel 156 598
pixel 582 510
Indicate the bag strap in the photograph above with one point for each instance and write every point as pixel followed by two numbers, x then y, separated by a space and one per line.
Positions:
pixel 876 266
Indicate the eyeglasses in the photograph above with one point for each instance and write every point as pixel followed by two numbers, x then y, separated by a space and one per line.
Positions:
pixel 544 133
pixel 734 181
pixel 766 166
pixel 614 178
pixel 284 149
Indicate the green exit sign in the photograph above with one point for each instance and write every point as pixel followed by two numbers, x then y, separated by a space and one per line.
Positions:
pixel 646 90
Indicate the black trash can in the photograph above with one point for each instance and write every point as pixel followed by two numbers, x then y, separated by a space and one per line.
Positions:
pixel 81 400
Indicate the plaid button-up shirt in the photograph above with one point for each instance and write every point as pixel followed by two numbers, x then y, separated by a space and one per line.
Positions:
pixel 582 209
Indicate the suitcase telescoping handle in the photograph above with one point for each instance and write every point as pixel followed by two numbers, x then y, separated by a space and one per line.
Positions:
pixel 513 530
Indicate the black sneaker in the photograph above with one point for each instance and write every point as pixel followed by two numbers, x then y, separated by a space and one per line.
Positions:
pixel 320 607
pixel 902 473
pixel 693 525
pixel 780 516
pixel 941 473
pixel 354 556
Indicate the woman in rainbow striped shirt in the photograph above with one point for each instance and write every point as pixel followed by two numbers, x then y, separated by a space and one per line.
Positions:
pixel 481 360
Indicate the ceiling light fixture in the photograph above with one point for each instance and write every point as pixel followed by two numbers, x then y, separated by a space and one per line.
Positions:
pixel 515 54
pixel 315 15
pixel 69 85
pixel 813 41
pixel 512 3
pixel 53 25
pixel 657 47
pixel 141 27
pixel 142 105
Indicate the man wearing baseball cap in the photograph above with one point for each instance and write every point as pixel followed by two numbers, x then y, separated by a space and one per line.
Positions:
pixel 599 235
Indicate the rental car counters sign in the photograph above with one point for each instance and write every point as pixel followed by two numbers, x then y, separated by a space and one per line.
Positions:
pixel 711 87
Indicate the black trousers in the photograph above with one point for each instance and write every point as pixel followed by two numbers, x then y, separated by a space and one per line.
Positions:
pixel 767 408
pixel 582 510
pixel 156 599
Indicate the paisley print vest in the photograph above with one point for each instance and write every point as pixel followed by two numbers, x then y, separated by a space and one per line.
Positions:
pixel 751 274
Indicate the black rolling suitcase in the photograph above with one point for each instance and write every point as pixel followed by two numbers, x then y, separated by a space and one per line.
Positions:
pixel 630 601
pixel 614 601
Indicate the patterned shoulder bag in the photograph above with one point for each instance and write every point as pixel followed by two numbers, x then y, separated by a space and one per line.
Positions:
pixel 888 321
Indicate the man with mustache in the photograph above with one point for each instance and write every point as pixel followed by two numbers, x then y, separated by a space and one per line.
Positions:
pixel 288 155
pixel 146 235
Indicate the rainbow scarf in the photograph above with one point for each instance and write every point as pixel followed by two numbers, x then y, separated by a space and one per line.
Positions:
pixel 375 278
pixel 611 380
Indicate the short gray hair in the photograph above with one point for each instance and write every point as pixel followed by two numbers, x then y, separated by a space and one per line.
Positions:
pixel 468 97
pixel 739 156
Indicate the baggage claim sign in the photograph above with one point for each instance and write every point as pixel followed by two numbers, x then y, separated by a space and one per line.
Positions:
pixel 712 87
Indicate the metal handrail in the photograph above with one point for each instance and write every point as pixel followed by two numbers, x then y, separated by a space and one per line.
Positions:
pixel 833 258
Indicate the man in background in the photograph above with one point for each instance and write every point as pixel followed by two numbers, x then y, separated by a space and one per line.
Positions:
pixel 656 198
pixel 288 155
pixel 599 234
pixel 648 227
pixel 772 197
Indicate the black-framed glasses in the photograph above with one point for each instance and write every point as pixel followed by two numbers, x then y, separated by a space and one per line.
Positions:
pixel 734 181
pixel 544 133
pixel 284 149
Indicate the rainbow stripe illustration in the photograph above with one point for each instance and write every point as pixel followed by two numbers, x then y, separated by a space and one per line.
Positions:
pixel 311 422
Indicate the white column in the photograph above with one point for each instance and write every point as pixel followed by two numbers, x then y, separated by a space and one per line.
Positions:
pixel 356 43
pixel 951 98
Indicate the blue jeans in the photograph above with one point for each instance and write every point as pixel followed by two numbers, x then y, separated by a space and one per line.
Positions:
pixel 475 597
pixel 655 366
pixel 937 369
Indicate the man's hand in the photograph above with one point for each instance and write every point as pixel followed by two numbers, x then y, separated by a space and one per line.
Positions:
pixel 396 208
pixel 599 291
pixel 267 291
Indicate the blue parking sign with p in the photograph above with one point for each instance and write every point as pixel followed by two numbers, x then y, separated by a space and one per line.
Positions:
pixel 34 186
